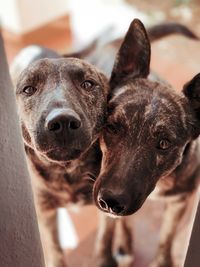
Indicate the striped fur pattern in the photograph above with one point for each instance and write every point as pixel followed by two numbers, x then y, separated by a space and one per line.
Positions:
pixel 149 142
pixel 65 170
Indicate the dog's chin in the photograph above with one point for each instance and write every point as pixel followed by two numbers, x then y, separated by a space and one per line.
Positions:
pixel 134 208
pixel 126 213
pixel 62 155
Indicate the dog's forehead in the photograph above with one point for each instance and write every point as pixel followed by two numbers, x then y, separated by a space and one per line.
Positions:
pixel 148 101
pixel 60 65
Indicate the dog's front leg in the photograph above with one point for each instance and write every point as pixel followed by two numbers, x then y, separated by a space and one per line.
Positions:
pixel 104 242
pixel 174 212
pixel 124 242
pixel 49 236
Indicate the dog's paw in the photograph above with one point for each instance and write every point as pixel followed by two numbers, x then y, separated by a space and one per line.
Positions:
pixel 106 262
pixel 124 260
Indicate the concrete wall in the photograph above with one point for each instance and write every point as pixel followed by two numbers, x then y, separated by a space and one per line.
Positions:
pixel 19 236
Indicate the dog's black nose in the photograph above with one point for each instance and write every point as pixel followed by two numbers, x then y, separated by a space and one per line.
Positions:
pixel 112 204
pixel 61 120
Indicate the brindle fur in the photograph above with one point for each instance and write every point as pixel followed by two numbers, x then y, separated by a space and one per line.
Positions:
pixel 66 178
pixel 142 114
pixel 60 176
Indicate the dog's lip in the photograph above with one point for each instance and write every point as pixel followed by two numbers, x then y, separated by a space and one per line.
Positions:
pixel 122 214
pixel 61 149
pixel 129 211
pixel 61 154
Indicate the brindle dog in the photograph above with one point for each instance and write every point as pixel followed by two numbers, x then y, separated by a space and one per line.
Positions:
pixel 150 141
pixel 62 105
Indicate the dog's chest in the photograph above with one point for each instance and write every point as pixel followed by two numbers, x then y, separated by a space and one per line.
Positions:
pixel 57 186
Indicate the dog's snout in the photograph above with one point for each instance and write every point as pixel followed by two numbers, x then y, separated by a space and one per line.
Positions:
pixel 114 204
pixel 61 120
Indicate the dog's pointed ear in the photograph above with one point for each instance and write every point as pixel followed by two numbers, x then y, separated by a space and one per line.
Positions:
pixel 133 58
pixel 192 91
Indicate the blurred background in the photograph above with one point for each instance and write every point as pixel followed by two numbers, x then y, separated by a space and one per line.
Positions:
pixel 68 25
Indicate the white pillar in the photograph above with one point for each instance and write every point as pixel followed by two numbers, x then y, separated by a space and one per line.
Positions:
pixel 193 255
pixel 20 244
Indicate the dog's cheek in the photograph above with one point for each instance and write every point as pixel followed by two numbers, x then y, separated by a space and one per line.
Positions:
pixel 103 145
pixel 26 136
pixel 98 116
pixel 160 160
pixel 104 84
pixel 166 164
pixel 104 161
pixel 29 117
pixel 98 98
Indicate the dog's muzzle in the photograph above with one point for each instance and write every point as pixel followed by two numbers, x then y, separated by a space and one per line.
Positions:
pixel 62 121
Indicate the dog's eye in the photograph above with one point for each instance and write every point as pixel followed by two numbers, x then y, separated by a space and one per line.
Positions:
pixel 29 90
pixel 88 85
pixel 112 128
pixel 164 144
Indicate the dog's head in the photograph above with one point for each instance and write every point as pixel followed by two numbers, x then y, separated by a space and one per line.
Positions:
pixel 62 105
pixel 148 128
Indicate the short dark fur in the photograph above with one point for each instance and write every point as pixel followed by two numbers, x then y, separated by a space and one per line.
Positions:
pixel 149 141
pixel 64 165
pixel 63 162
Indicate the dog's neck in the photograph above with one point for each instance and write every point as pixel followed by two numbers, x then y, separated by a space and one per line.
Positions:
pixel 89 163
pixel 186 175
pixel 190 161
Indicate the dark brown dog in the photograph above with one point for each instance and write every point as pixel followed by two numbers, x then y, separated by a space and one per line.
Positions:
pixel 150 140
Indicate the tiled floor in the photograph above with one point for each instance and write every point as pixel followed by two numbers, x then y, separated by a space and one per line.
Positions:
pixel 177 60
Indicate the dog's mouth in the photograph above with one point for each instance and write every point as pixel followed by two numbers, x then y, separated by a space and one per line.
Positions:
pixel 134 208
pixel 62 154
